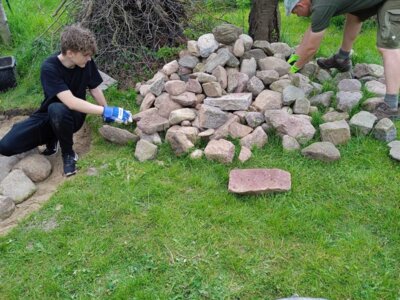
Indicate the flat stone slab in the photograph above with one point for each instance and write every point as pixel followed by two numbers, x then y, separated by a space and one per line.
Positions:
pixel 117 135
pixel 259 181
pixel 324 151
pixel 235 101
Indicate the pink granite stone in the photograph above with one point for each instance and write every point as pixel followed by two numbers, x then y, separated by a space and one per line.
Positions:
pixel 259 181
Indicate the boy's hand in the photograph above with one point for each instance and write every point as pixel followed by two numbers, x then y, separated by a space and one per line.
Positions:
pixel 116 114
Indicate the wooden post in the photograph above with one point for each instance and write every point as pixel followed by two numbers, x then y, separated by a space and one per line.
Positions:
pixel 5 33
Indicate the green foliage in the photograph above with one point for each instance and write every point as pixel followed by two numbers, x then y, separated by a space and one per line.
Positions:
pixel 168 53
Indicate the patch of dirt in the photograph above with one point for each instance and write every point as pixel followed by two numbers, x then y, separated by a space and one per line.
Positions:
pixel 46 188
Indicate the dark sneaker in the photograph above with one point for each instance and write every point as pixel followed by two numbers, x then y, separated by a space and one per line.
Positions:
pixel 384 111
pixel 69 163
pixel 51 148
pixel 342 65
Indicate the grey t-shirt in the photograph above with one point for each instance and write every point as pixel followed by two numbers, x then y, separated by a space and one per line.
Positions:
pixel 322 11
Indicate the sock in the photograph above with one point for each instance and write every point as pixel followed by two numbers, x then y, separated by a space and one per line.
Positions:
pixel 343 54
pixel 392 100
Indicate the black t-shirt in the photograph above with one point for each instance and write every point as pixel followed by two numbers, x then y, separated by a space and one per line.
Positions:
pixel 56 78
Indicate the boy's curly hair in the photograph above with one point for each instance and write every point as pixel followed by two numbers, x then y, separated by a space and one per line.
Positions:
pixel 78 39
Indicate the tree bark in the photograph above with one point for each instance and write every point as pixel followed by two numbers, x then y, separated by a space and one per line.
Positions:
pixel 5 33
pixel 264 20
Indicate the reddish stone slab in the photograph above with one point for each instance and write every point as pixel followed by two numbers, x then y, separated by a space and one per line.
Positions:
pixel 259 181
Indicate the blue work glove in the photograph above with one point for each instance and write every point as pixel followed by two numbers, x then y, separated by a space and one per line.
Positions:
pixel 116 114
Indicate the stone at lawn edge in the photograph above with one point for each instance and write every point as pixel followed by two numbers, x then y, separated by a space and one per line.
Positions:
pixel 179 115
pixel 226 33
pixel 238 131
pixel 180 143
pixel 17 186
pixel 338 132
pixel 245 154
pixel 258 138
pixel 207 44
pixel 211 117
pixel 347 100
pixel 145 151
pixel 7 207
pixel 117 135
pixel 191 133
pixel 362 123
pixel 235 101
pixel 259 181
pixel 268 100
pixel 385 130
pixel 197 154
pixel 395 153
pixel 36 166
pixel 376 87
pixel 394 144
pixel 222 151
pixel 290 143
pixel 324 151
pixel 6 164
pixel 223 131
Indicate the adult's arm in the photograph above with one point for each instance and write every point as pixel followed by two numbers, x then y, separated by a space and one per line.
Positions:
pixel 78 104
pixel 309 46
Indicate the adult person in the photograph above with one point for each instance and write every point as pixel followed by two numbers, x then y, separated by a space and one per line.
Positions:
pixel 357 11
pixel 65 77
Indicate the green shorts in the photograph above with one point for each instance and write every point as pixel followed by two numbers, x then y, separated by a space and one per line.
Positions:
pixel 389 25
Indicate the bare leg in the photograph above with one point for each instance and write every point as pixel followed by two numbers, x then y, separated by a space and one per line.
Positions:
pixel 391 63
pixel 352 28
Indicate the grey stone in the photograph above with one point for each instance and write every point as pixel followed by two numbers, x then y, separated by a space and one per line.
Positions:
pixel 376 88
pixel 301 106
pixel 37 167
pixel 273 63
pixel 323 99
pixel 249 67
pixel 171 67
pixel 157 87
pixel 347 100
pixel 247 41
pixel 179 115
pixel 236 101
pixel 323 76
pixel 212 89
pixel 335 116
pixel 197 154
pixel 282 48
pixel 207 44
pixel 186 99
pixel 338 132
pixel 17 186
pixel 227 33
pixel 349 85
pixel 180 143
pixel 395 153
pixel 6 164
pixel 280 85
pixel 237 82
pixel 211 117
pixel 238 48
pixel 223 130
pixel 291 93
pixel 175 87
pixel 264 46
pixel 193 48
pixel 188 61
pixel 191 133
pixel 220 60
pixel 256 53
pixel 145 151
pixel 7 207
pixel 255 86
pixel 324 151
pixel 245 154
pixel 268 76
pixel 290 143
pixel 203 77
pixel 237 130
pixel 221 76
pixel 267 100
pixel 362 123
pixel 254 119
pixel 394 144
pixel 147 102
pixel 372 103
pixel 385 130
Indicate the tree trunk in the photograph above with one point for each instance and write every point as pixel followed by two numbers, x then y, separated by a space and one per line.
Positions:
pixel 5 33
pixel 264 20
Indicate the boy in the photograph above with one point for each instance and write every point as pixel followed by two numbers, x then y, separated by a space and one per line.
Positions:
pixel 65 78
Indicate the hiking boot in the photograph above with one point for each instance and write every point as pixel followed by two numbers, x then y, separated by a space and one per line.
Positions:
pixel 384 111
pixel 51 148
pixel 69 161
pixel 341 64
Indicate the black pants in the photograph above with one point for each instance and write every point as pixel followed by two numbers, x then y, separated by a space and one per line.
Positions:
pixel 58 123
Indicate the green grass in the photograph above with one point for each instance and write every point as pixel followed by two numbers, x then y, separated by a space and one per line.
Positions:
pixel 169 229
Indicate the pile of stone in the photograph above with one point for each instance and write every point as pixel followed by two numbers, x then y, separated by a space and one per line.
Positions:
pixel 225 85
pixel 19 176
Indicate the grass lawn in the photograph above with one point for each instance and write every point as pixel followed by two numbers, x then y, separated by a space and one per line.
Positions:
pixel 169 229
